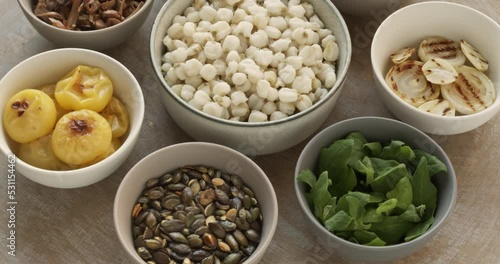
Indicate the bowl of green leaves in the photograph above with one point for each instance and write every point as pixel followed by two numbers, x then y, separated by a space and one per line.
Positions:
pixel 374 189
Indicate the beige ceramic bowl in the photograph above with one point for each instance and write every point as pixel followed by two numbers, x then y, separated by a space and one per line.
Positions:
pixel 383 130
pixel 194 153
pixel 96 39
pixel 48 68
pixel 410 25
pixel 251 138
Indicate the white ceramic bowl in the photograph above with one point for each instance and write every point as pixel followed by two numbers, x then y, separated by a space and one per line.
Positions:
pixel 384 130
pixel 194 153
pixel 49 67
pixel 251 138
pixel 95 39
pixel 407 27
pixel 366 7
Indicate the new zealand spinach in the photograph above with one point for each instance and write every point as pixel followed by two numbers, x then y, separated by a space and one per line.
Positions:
pixel 373 194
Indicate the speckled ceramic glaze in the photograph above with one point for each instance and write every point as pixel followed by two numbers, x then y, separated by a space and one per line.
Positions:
pixel 41 71
pixel 194 153
pixel 384 130
pixel 95 39
pixel 407 28
pixel 251 138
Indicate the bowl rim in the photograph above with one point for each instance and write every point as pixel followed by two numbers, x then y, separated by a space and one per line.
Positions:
pixel 273 222
pixel 341 79
pixel 307 211
pixel 28 11
pixel 380 76
pixel 133 132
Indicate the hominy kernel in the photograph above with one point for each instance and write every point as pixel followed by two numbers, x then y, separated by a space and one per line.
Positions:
pixel 233 56
pixel 269 108
pixel 243 55
pixel 255 102
pixel 238 98
pixel 257 116
pixel 287 95
pixel 263 87
pixel 187 92
pixel 259 39
pixel 221 89
pixel 287 74
pixel 239 78
pixel 208 13
pixel 303 103
pixel 208 72
pixel 277 115
pixel 212 109
pixel 302 84
pixel 286 108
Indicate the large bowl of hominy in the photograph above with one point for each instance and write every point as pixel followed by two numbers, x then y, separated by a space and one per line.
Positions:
pixel 259 77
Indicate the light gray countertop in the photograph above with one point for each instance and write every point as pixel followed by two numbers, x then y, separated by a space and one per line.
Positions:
pixel 76 226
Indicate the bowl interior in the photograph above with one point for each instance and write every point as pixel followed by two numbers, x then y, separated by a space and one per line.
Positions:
pixel 408 26
pixel 175 156
pixel 446 183
pixel 41 70
pixel 325 10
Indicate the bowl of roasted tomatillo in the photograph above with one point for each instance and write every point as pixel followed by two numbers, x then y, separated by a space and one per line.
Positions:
pixel 374 195
pixel 438 74
pixel 96 25
pixel 71 123
pixel 195 202
pixel 257 76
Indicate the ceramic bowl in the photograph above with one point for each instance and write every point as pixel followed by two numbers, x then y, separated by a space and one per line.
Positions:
pixel 95 39
pixel 365 8
pixel 194 153
pixel 48 68
pixel 410 25
pixel 250 138
pixel 383 130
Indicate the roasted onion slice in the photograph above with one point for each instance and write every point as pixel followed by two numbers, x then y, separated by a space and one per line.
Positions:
pixel 439 71
pixel 408 81
pixel 438 107
pixel 472 92
pixel 474 56
pixel 443 48
pixel 402 55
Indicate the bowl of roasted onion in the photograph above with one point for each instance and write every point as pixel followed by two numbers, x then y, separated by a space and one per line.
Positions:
pixel 438 74
pixel 71 123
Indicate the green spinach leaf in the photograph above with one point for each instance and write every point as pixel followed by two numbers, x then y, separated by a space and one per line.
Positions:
pixel 334 159
pixel 374 149
pixel 371 216
pixel 365 167
pixel 329 209
pixel 435 165
pixel 424 191
pixel 388 176
pixel 410 215
pixel 320 195
pixel 368 238
pixel 391 230
pixel 403 192
pixel 339 222
pixel 419 229
pixel 386 207
pixel 358 152
pixel 308 177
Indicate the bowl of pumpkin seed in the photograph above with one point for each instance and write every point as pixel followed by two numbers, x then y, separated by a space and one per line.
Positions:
pixel 195 203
